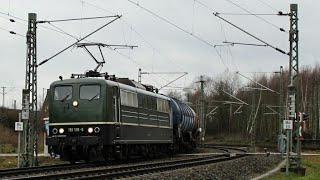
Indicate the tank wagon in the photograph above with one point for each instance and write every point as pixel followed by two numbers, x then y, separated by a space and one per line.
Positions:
pixel 116 117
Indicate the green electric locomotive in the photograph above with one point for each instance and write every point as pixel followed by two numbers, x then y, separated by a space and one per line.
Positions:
pixel 115 118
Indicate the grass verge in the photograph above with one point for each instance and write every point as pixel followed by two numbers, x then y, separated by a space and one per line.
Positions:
pixel 312 165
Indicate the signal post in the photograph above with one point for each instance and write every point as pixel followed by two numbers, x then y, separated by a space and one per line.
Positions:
pixel 294 98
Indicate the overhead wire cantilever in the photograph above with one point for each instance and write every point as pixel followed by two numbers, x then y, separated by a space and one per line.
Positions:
pixel 235 97
pixel 257 83
pixel 255 37
pixel 185 73
pixel 46 60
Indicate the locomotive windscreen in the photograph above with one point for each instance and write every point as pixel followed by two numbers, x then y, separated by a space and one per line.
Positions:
pixel 77 101
pixel 90 92
pixel 63 93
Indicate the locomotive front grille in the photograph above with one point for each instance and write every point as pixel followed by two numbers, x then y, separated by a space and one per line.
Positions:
pixel 70 141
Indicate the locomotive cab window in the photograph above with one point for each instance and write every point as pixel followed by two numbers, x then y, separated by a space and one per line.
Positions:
pixel 129 98
pixel 62 93
pixel 90 92
pixel 162 105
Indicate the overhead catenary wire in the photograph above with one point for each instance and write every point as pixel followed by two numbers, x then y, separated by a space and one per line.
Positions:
pixel 54 30
pixel 134 30
pixel 76 38
pixel 201 3
pixel 97 7
pixel 167 21
pixel 21 19
pixel 225 38
pixel 81 23
pixel 143 39
pixel 9 5
pixel 281 29
pixel 13 16
pixel 129 58
pixel 64 32
pixel 11 20
pixel 193 14
pixel 183 30
pixel 68 34
pixel 155 49
pixel 40 25
pixel 12 32
pixel 268 5
pixel 46 60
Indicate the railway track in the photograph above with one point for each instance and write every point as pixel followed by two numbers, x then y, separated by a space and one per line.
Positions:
pixel 17 172
pixel 26 171
pixel 227 149
pixel 103 171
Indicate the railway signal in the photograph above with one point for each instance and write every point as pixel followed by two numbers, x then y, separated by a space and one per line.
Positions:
pixel 292 106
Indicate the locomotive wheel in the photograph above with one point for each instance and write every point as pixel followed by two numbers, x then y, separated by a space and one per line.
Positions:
pixel 118 155
pixel 121 152
pixel 156 151
pixel 90 154
pixel 143 150
pixel 87 158
pixel 107 153
pixel 153 152
pixel 72 161
pixel 71 157
pixel 86 154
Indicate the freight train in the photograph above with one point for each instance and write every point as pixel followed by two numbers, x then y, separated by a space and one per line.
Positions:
pixel 116 118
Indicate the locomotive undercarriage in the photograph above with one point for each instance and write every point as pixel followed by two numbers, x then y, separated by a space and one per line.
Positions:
pixel 119 143
pixel 76 153
pixel 184 143
pixel 98 152
pixel 127 151
pixel 109 152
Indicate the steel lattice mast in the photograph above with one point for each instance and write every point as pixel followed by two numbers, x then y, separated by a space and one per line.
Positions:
pixel 29 95
pixel 294 82
pixel 202 111
pixel 294 91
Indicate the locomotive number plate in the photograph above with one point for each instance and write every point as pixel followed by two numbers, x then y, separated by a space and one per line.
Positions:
pixel 76 129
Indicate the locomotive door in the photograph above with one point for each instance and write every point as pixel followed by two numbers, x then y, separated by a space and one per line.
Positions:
pixel 116 104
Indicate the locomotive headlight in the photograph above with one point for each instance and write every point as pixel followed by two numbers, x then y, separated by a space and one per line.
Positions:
pixel 61 130
pixel 75 103
pixel 90 130
pixel 96 129
pixel 54 130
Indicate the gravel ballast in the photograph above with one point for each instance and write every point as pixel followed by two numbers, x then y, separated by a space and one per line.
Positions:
pixel 244 168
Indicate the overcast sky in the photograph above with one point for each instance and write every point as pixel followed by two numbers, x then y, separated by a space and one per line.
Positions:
pixel 162 47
